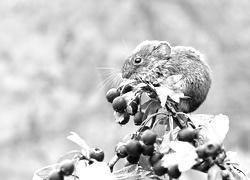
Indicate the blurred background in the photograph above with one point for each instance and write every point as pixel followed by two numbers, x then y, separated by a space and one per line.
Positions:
pixel 53 56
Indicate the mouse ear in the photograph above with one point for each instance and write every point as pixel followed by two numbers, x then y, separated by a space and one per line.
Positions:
pixel 162 49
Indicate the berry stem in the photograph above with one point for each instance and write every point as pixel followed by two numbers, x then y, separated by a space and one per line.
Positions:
pixel 112 162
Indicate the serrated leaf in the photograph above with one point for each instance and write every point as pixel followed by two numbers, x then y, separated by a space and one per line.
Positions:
pixel 215 130
pixel 74 137
pixel 96 171
pixel 163 92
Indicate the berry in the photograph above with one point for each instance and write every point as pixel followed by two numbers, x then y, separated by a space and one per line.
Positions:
pixel 174 172
pixel 213 149
pixel 97 154
pixel 124 119
pixel 187 134
pixel 147 150
pixel 112 94
pixel 148 137
pixel 133 148
pixel 200 150
pixel 121 151
pixel 138 118
pixel 127 88
pixel 132 108
pixel 56 175
pixel 119 104
pixel 156 156
pixel 158 169
pixel 67 167
pixel 133 159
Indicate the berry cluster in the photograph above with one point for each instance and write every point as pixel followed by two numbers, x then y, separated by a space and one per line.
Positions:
pixel 123 106
pixel 141 144
pixel 67 166
pixel 146 147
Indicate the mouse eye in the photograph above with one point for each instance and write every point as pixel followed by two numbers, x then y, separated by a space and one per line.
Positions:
pixel 137 61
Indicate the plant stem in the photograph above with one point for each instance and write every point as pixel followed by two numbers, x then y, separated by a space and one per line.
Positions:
pixel 112 162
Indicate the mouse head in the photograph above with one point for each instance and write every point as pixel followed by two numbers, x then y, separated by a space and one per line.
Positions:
pixel 143 58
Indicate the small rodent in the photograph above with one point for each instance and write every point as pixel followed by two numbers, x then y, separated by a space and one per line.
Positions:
pixel 151 60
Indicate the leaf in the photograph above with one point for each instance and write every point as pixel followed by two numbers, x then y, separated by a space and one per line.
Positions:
pixel 152 108
pixel 126 171
pixel 164 147
pixel 70 155
pixel 173 80
pixel 176 96
pixel 144 163
pixel 43 173
pixel 74 137
pixel 214 130
pixel 187 162
pixel 96 171
pixel 163 92
pixel 185 156
pixel 220 125
pixel 181 146
pixel 170 160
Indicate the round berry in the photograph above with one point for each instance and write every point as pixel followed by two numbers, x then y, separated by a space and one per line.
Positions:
pixel 124 119
pixel 148 137
pixel 56 174
pixel 212 149
pixel 174 172
pixel 67 167
pixel 97 154
pixel 133 159
pixel 138 118
pixel 133 147
pixel 158 169
pixel 200 150
pixel 156 156
pixel 127 88
pixel 112 94
pixel 147 150
pixel 119 104
pixel 132 108
pixel 187 134
pixel 121 151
